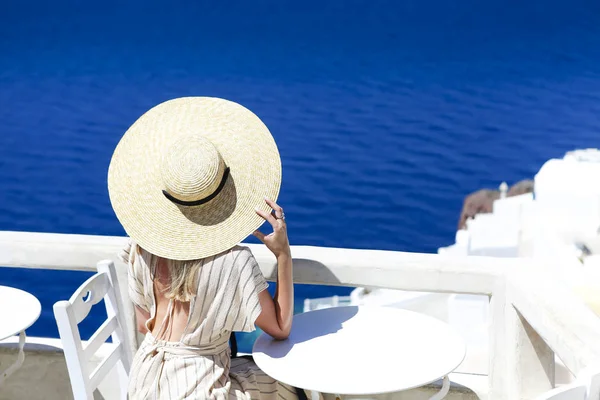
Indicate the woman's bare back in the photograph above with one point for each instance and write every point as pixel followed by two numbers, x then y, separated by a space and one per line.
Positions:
pixel 174 326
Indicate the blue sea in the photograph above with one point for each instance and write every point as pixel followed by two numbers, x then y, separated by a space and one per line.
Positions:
pixel 386 112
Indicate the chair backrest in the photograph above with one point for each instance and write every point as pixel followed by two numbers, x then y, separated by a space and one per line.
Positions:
pixel 592 377
pixel 68 314
pixel 575 391
pixel 585 387
pixel 594 387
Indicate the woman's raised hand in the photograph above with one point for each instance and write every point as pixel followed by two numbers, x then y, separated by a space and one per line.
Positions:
pixel 277 241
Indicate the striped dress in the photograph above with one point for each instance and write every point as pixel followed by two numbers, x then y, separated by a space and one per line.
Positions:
pixel 199 366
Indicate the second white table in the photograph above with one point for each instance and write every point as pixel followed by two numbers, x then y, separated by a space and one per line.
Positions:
pixel 18 311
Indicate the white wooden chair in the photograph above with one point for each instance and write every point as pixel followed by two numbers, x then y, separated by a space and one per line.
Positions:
pixel 574 391
pixel 68 314
pixel 585 387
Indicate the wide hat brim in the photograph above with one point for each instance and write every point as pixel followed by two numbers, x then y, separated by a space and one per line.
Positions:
pixel 180 232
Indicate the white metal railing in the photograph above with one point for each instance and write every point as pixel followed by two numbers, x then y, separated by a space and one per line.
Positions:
pixel 533 315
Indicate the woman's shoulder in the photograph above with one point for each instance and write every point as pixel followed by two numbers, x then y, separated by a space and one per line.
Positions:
pixel 126 252
pixel 241 254
pixel 237 257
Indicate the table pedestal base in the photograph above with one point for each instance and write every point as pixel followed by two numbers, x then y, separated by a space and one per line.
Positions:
pixel 17 364
pixel 445 389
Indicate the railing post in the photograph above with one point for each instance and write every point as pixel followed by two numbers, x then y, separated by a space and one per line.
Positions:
pixel 498 363
pixel 530 360
pixel 521 363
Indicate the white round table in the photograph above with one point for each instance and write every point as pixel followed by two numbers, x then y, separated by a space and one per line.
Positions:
pixel 18 311
pixel 362 351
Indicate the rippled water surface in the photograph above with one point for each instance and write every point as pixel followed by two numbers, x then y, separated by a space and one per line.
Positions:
pixel 386 113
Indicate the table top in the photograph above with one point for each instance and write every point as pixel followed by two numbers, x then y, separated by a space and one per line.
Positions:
pixel 18 311
pixel 361 351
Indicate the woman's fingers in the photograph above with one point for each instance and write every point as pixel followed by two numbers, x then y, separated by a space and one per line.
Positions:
pixel 277 241
pixel 267 217
pixel 276 207
pixel 259 235
pixel 278 217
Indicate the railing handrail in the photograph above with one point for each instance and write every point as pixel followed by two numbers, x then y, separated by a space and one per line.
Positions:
pixel 556 314
pixel 345 267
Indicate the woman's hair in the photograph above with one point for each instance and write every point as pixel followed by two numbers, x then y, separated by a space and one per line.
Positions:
pixel 183 283
pixel 183 275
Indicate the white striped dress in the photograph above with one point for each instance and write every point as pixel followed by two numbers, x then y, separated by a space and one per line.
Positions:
pixel 199 366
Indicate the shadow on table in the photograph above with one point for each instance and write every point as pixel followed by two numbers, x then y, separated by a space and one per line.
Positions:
pixel 309 326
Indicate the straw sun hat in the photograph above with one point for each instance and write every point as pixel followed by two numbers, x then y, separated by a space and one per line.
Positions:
pixel 186 177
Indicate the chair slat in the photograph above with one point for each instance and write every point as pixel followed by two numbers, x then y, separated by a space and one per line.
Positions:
pixel 99 337
pixel 105 366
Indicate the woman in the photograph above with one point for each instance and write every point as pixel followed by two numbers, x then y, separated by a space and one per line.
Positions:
pixel 189 181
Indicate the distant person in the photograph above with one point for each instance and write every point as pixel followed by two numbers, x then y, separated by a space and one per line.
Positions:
pixel 189 181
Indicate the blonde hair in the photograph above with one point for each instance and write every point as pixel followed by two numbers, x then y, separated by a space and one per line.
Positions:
pixel 183 275
pixel 183 285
